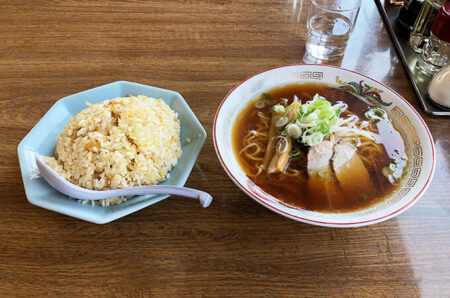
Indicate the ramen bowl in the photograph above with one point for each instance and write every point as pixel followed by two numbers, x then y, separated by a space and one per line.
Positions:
pixel 418 142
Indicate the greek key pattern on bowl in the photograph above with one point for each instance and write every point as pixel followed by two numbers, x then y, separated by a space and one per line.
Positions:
pixel 285 78
pixel 310 75
pixel 415 162
pixel 417 153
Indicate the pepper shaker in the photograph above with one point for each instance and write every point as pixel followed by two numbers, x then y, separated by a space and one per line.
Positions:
pixel 421 30
pixel 437 49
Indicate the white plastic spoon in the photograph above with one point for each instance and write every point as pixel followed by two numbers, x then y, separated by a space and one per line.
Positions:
pixel 74 191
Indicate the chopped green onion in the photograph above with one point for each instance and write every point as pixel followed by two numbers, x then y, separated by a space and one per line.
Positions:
pixel 268 99
pixel 356 141
pixel 376 114
pixel 394 171
pixel 281 122
pixel 315 120
pixel 260 104
pixel 278 109
pixel 295 153
pixel 293 131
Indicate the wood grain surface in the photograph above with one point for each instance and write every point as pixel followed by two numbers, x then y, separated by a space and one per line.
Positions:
pixel 236 247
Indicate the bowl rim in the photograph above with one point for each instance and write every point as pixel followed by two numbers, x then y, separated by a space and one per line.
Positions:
pixel 259 199
pixel 99 217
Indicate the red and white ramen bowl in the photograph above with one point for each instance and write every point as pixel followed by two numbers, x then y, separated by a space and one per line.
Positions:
pixel 418 142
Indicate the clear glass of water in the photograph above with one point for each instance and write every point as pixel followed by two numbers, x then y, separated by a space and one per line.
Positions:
pixel 329 24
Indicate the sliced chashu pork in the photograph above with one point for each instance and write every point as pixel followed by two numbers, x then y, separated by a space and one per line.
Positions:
pixel 350 171
pixel 321 182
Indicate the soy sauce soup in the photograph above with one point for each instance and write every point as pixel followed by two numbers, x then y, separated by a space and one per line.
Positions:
pixel 386 151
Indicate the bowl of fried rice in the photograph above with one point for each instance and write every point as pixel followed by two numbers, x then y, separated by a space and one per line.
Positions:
pixel 118 135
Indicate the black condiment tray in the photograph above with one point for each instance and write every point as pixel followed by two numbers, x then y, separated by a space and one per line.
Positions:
pixel 400 37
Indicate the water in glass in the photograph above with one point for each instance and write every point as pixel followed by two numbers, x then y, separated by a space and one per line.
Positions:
pixel 328 34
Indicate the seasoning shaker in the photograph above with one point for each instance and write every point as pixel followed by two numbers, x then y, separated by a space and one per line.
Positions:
pixel 438 88
pixel 437 49
pixel 421 30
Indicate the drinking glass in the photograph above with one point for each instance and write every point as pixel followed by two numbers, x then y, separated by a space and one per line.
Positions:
pixel 329 24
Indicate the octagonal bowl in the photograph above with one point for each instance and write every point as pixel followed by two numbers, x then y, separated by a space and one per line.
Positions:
pixel 42 140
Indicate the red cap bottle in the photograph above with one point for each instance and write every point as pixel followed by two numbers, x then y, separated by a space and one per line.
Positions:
pixel 441 24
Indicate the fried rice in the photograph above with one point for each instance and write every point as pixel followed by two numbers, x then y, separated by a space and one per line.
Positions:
pixel 122 142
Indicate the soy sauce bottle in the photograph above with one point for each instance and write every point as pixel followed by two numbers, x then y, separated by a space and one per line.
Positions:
pixel 409 12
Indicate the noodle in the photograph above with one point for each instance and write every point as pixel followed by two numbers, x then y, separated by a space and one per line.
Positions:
pixel 254 141
pixel 296 173
pixel 293 182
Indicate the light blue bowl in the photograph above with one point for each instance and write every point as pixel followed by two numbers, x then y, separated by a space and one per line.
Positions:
pixel 42 140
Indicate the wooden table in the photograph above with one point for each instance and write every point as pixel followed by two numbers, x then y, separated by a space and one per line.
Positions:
pixel 236 247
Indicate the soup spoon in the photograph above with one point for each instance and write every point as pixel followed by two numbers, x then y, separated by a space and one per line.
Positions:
pixel 74 191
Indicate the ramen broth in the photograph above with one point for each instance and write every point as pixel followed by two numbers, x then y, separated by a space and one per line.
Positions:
pixel 291 186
